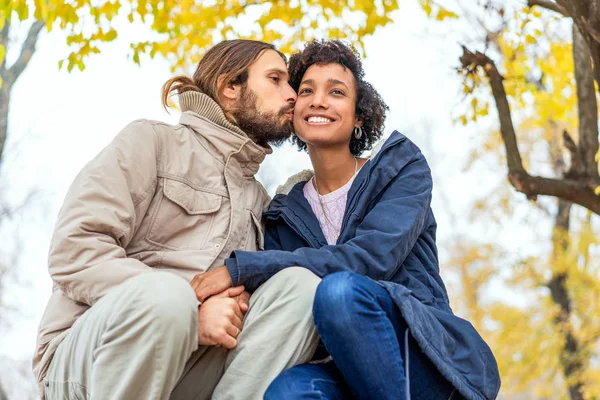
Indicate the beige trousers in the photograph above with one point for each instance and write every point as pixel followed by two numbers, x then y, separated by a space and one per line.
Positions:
pixel 140 342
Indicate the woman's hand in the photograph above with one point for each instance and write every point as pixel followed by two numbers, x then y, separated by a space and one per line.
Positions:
pixel 211 282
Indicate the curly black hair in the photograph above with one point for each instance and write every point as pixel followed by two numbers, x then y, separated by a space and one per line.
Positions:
pixel 370 107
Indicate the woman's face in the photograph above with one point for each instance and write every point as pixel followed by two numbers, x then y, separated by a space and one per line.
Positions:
pixel 324 115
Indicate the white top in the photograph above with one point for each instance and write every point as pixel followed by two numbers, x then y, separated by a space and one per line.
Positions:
pixel 334 204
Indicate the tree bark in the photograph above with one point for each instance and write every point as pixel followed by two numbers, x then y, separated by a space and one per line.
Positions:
pixel 578 191
pixel 570 359
pixel 10 75
pixel 4 102
pixel 586 15
pixel 548 4
pixel 587 105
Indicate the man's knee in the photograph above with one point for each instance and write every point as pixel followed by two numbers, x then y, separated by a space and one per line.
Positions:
pixel 166 299
pixel 294 288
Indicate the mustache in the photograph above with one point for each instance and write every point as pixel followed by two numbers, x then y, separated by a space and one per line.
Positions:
pixel 287 109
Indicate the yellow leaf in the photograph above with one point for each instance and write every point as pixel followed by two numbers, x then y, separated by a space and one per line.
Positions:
pixel 445 14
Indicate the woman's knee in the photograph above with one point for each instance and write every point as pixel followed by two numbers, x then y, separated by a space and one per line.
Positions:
pixel 285 386
pixel 337 289
pixel 307 381
pixel 340 296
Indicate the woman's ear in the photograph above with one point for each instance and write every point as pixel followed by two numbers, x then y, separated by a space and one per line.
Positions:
pixel 358 123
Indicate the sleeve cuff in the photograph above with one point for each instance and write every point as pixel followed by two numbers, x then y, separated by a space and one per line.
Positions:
pixel 231 265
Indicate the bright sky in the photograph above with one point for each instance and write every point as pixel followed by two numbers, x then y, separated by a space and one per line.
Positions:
pixel 59 121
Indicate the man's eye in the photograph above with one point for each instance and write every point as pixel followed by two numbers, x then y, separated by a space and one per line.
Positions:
pixel 275 79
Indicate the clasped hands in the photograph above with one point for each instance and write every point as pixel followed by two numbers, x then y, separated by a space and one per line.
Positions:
pixel 222 309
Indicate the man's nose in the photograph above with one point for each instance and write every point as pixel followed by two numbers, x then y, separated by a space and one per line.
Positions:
pixel 290 94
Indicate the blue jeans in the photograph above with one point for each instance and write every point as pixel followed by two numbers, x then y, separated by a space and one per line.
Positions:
pixel 365 334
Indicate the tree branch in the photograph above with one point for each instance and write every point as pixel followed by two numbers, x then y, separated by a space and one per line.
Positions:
pixel 578 192
pixel 587 104
pixel 547 4
pixel 27 50
pixel 4 42
pixel 470 61
pixel 574 191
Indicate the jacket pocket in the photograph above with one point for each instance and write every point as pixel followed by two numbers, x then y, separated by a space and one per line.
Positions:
pixel 184 217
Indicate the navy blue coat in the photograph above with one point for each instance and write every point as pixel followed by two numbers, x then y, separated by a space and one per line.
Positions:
pixel 388 234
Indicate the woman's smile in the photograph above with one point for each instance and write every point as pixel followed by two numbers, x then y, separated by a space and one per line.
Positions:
pixel 318 119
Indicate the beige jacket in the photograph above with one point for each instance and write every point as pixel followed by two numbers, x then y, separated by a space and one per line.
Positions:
pixel 177 198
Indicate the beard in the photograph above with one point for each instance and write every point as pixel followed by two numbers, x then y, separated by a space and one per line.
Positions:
pixel 263 127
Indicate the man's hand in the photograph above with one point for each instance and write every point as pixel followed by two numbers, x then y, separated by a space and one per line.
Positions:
pixel 220 319
pixel 211 282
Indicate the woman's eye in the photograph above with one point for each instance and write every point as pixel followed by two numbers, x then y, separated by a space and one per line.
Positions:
pixel 335 91
pixel 304 91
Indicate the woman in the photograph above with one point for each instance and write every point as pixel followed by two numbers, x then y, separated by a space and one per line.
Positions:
pixel 366 227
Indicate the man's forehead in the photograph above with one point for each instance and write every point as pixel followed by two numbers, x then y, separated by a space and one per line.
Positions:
pixel 270 60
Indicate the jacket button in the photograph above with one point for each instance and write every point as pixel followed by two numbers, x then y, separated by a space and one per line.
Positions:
pixel 217 245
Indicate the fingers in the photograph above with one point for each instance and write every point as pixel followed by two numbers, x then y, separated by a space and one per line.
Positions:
pixel 231 292
pixel 236 321
pixel 236 309
pixel 229 342
pixel 243 301
pixel 243 307
pixel 204 292
pixel 233 331
pixel 235 291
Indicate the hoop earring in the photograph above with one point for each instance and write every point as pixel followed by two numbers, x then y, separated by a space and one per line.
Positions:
pixel 357 132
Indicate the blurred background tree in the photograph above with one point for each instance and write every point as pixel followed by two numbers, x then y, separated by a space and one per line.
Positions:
pixel 529 67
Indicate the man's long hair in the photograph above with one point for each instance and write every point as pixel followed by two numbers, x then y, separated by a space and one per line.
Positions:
pixel 230 59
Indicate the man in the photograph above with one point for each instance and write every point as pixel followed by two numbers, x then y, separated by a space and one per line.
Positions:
pixel 157 207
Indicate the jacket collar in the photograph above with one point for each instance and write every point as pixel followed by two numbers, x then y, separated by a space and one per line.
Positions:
pixel 307 174
pixel 226 139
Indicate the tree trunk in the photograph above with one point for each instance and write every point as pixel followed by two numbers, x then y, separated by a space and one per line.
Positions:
pixel 3 395
pixel 586 104
pixel 570 360
pixel 4 103
pixel 12 74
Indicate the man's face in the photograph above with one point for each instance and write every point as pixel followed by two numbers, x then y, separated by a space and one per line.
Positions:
pixel 265 107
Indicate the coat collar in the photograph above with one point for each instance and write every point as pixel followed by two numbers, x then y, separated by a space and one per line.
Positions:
pixel 203 115
pixel 307 174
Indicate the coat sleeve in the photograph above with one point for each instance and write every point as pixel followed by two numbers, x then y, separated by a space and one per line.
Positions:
pixel 382 241
pixel 101 212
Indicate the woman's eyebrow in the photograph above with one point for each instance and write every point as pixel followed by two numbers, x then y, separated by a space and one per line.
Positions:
pixel 330 81
pixel 307 82
pixel 337 82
